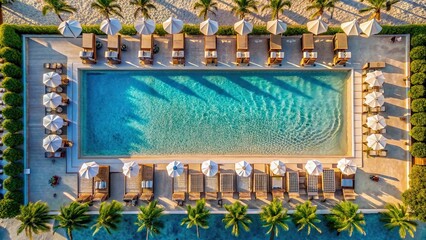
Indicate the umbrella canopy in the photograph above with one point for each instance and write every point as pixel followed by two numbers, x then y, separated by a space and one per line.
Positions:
pixel 175 169
pixel 379 75
pixel 243 27
pixel 209 27
pixel 314 167
pixel 317 26
pixel 130 169
pixel 89 170
pixel 53 122
pixel 347 166
pixel 52 143
pixel 277 167
pixel 110 26
pixel 351 28
pixel 173 25
pixel 52 100
pixel 209 168
pixel 276 26
pixel 373 81
pixel 70 28
pixel 371 27
pixel 144 26
pixel 374 99
pixel 376 141
pixel 52 79
pixel 376 122
pixel 243 169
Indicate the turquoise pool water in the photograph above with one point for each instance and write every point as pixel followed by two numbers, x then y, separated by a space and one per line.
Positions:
pixel 218 112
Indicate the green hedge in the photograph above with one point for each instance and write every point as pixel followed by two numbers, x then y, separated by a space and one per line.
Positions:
pixel 418 149
pixel 12 125
pixel 10 55
pixel 418 78
pixel 9 208
pixel 17 196
pixel 9 37
pixel 13 183
pixel 418 66
pixel 12 85
pixel 418 133
pixel 13 169
pixel 418 40
pixel 13 99
pixel 12 112
pixel 417 91
pixel 13 154
pixel 418 119
pixel 11 70
pixel 13 139
pixel 418 53
pixel 418 105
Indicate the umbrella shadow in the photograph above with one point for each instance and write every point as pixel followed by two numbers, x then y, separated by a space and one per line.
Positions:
pixel 182 88
pixel 252 88
pixel 287 87
pixel 208 84
pixel 145 88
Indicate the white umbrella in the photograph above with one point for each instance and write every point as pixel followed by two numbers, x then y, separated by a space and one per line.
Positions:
pixel 209 27
pixel 243 169
pixel 276 26
pixel 53 122
pixel 144 26
pixel 52 143
pixel 347 166
pixel 130 169
pixel 376 122
pixel 110 26
pixel 243 27
pixel 373 81
pixel 173 25
pixel 175 169
pixel 89 170
pixel 70 28
pixel 209 168
pixel 317 26
pixel 379 75
pixel 370 27
pixel 314 167
pixel 277 167
pixel 351 28
pixel 52 100
pixel 52 79
pixel 374 99
pixel 376 141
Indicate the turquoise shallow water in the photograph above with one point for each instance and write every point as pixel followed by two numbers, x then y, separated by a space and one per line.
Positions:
pixel 170 112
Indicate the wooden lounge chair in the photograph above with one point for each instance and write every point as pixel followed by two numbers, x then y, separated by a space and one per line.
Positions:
pixel 276 55
pixel 102 184
pixel 242 54
pixel 302 183
pixel 180 187
pixel 88 55
pixel 244 187
pixel 308 55
pixel 312 186
pixel 147 182
pixel 328 183
pixel 227 184
pixel 293 184
pixel 178 53
pixel 113 54
pixel 196 182
pixel 212 187
pixel 85 189
pixel 210 50
pixel 341 55
pixel 261 181
pixel 373 65
pixel 146 52
pixel 348 187
pixel 132 188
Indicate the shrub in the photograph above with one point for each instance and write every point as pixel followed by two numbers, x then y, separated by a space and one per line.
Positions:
pixel 12 85
pixel 417 91
pixel 418 66
pixel 13 99
pixel 418 133
pixel 12 112
pixel 418 119
pixel 414 196
pixel 11 55
pixel 418 40
pixel 418 149
pixel 418 78
pixel 9 38
pixel 418 105
pixel 13 154
pixel 11 70
pixel 13 183
pixel 17 196
pixel 418 53
pixel 412 29
pixel 9 208
pixel 191 29
pixel 13 169
pixel 13 139
pixel 12 126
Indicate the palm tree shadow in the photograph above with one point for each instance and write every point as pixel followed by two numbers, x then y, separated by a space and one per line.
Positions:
pixel 252 88
pixel 145 88
pixel 182 88
pixel 287 87
pixel 208 84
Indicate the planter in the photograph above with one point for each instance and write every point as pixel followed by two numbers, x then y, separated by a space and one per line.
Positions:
pixel 419 161
pixel 54 181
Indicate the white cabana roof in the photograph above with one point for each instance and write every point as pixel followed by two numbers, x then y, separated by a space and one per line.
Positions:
pixel 243 27
pixel 144 26
pixel 209 27
pixel 243 169
pixel 52 100
pixel 314 167
pixel 89 170
pixel 351 28
pixel 110 26
pixel 53 122
pixel 130 169
pixel 173 25
pixel 376 122
pixel 278 168
pixel 276 26
pixel 52 143
pixel 317 26
pixel 371 27
pixel 347 166
pixel 209 168
pixel 376 141
pixel 70 28
pixel 175 169
pixel 374 99
pixel 52 79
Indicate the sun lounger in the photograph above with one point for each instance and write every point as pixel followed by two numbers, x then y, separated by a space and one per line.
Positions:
pixel 113 54
pixel 132 188
pixel 102 184
pixel 244 187
pixel 328 183
pixel 210 50
pixel 308 55
pixel 196 182
pixel 85 189
pixel 58 154
pixel 293 184
pixel 312 186
pixel 261 181
pixel 227 185
pixel 88 55
pixel 57 67
pixel 373 65
pixel 212 187
pixel 178 52
pixel 146 54
pixel 276 55
pixel 277 186
pixel 242 54
pixel 348 187
pixel 302 183
pixel 147 182
pixel 341 55
pixel 180 187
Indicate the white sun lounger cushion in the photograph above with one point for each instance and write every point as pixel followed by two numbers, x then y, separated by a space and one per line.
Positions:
pixel 246 54
pixel 306 55
pixel 344 55
pixel 111 54
pixel 177 54
pixel 239 54
pixel 214 54
pixel 86 54
pixel 144 54
pixel 273 55
pixel 313 55
pixel 280 55
pixel 207 54
pixel 348 55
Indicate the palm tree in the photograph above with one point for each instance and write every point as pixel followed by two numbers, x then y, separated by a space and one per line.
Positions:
pixel 320 6
pixel 3 2
pixel 398 216
pixel 305 217
pixel 34 218
pixel 107 7
pixel 57 7
pixel 143 7
pixel 149 218
pixel 197 216
pixel 274 215
pixel 345 217
pixel 376 6
pixel 73 217
pixel 236 216
pixel 243 7
pixel 277 7
pixel 109 217
pixel 205 7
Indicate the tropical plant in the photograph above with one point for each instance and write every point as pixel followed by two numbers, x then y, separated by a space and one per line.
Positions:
pixel 236 216
pixel 274 215
pixel 3 2
pixel 320 6
pixel 276 7
pixel 397 216
pixel 107 7
pixel 375 6
pixel 143 7
pixel 345 217
pixel 197 216
pixel 148 219
pixel 243 7
pixel 57 7
pixel 109 217
pixel 305 217
pixel 413 197
pixel 34 218
pixel 73 217
pixel 205 6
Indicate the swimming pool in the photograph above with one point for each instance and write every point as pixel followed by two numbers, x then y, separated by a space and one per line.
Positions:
pixel 214 112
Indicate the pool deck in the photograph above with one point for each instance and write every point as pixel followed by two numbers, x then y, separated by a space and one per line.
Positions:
pixel 393 169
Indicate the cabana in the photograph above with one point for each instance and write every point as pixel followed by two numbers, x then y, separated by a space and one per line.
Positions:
pixel 196 182
pixel 328 183
pixel 147 182
pixel 88 55
pixel 113 54
pixel 244 187
pixel 85 189
pixel 180 187
pixel 312 186
pixel 102 184
pixel 210 49
pixel 178 53
pixel 212 187
pixel 243 53
pixel 146 54
pixel 132 188
pixel 275 50
pixel 308 55
pixel 293 184
pixel 227 185
pixel 348 187
pixel 261 181
pixel 341 56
